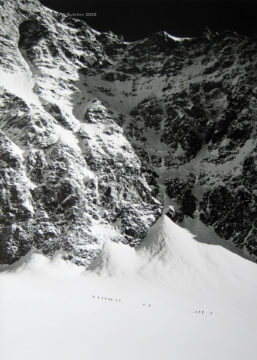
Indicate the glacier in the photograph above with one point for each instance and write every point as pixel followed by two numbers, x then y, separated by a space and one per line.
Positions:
pixel 50 308
pixel 127 192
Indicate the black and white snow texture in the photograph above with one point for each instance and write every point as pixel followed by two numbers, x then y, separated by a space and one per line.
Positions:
pixel 99 136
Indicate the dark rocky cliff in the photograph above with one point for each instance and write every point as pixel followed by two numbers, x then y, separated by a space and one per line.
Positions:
pixel 99 135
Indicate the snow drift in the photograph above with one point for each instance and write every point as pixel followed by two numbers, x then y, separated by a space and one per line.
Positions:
pixel 174 298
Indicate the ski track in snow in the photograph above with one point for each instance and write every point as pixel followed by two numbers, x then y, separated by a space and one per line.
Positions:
pixel 50 308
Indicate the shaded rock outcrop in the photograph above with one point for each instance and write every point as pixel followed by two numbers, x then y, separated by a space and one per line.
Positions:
pixel 97 134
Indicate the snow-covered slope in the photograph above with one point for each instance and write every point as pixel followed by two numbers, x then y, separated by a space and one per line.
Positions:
pixel 106 143
pixel 99 135
pixel 174 298
pixel 70 177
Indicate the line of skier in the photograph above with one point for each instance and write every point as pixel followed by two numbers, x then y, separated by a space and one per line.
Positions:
pixel 98 297
pixel 202 312
pixel 106 298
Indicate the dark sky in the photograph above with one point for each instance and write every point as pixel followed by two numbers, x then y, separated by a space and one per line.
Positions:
pixel 137 19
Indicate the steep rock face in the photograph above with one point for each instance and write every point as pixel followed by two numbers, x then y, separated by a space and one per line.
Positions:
pixel 190 113
pixel 69 177
pixel 98 134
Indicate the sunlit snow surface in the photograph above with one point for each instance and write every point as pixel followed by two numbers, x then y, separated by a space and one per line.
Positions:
pixel 49 309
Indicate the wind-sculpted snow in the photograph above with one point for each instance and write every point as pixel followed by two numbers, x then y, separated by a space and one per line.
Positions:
pixel 178 296
pixel 99 135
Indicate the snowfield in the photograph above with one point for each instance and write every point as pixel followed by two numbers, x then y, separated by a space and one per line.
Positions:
pixel 97 136
pixel 133 304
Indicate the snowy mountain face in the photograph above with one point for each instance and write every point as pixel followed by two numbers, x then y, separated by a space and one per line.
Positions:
pixel 99 137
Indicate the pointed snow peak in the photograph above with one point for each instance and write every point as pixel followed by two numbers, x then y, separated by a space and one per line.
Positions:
pixel 164 36
pixel 175 38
